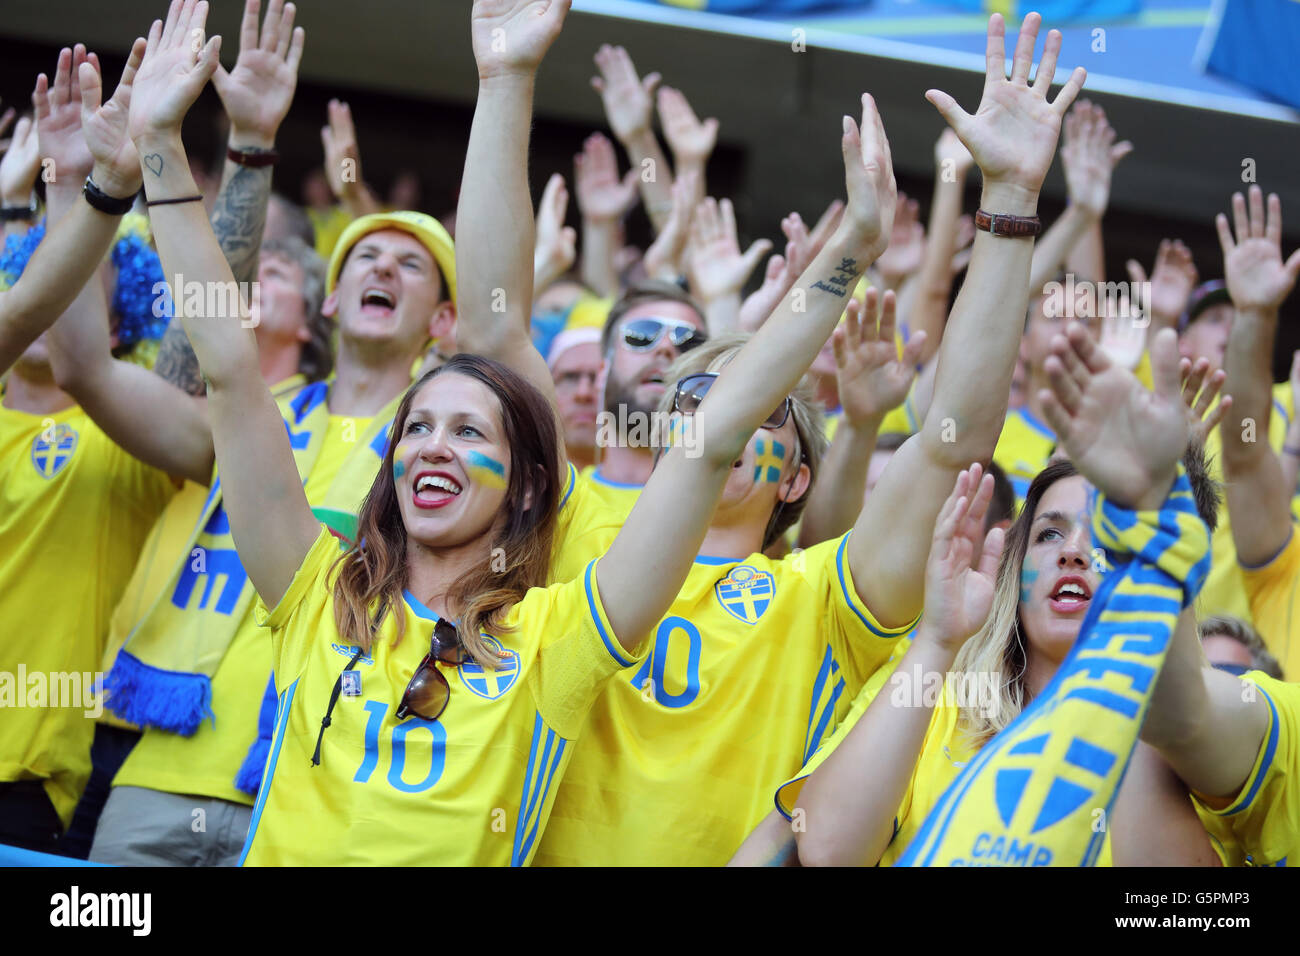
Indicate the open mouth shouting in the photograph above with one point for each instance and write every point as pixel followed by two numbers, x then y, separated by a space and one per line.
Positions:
pixel 435 489
pixel 1071 594
pixel 378 302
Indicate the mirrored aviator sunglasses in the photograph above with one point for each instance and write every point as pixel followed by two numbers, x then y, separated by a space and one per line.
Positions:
pixel 428 692
pixel 640 335
pixel 692 389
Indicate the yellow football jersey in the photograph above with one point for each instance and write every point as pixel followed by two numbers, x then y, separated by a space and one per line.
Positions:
pixel 1224 591
pixel 74 511
pixel 1274 594
pixel 590 515
pixel 1024 449
pixel 474 787
pixel 617 495
pixel 1264 819
pixel 756 660
pixel 944 752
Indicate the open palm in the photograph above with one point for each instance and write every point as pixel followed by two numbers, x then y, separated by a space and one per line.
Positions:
pixel 1012 135
pixel 1123 438
pixel 512 36
pixel 872 378
pixel 1252 262
pixel 177 65
pixel 958 597
pixel 257 93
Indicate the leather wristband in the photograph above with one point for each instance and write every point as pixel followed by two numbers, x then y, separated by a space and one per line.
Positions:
pixel 108 205
pixel 1008 227
pixel 253 158
pixel 17 213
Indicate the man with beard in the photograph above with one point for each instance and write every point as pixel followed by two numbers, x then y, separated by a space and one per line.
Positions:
pixel 648 328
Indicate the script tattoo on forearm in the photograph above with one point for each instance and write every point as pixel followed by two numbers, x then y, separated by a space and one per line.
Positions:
pixel 239 218
pixel 840 284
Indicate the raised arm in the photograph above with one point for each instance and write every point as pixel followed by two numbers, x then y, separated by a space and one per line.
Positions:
pixel 629 107
pixel 18 168
pixel 850 801
pixel 1259 501
pixel 556 243
pixel 270 519
pixel 1089 155
pixel 603 200
pixel 640 575
pixel 690 139
pixel 717 268
pixel 873 379
pixel 494 220
pixel 1172 280
pixel 79 235
pixel 1012 137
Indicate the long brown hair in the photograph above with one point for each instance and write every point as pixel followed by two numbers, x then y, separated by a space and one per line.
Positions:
pixel 373 572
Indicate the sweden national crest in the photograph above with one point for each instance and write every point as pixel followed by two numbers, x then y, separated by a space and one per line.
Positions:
pixel 745 593
pixel 491 684
pixel 52 449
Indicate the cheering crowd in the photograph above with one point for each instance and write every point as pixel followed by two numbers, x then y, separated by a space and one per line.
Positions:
pixel 971 558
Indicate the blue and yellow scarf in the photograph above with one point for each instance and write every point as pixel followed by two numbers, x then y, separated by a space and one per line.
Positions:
pixel 1029 797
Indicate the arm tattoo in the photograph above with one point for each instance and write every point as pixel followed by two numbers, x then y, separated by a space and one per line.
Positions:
pixel 239 218
pixel 177 363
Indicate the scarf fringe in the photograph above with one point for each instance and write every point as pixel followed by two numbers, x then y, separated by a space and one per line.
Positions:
pixel 249 778
pixel 151 697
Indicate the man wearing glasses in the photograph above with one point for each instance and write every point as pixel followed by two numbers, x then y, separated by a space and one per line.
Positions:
pixel 648 328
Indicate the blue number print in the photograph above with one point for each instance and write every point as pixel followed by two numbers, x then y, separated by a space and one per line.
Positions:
pixel 397 765
pixel 653 666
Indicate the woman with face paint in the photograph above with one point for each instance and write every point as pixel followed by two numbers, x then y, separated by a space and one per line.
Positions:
pixel 430 686
pixel 993 635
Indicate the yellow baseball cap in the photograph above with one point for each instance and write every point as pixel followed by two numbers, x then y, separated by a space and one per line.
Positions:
pixel 424 228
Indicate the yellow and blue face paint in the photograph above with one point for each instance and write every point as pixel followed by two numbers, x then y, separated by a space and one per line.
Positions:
pixel 1028 575
pixel 769 456
pixel 485 470
pixel 399 468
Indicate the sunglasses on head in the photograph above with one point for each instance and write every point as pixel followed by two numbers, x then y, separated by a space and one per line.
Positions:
pixel 641 335
pixel 692 389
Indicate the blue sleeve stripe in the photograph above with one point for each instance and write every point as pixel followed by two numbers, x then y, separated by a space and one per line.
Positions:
pixel 1270 748
pixel 568 491
pixel 818 685
pixel 556 760
pixel 851 597
pixel 611 646
pixel 281 722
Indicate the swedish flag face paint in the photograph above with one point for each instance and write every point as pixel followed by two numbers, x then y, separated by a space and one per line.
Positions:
pixel 1028 575
pixel 485 470
pixel 769 456
pixel 399 468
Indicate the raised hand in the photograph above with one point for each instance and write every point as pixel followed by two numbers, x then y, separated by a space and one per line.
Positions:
pixel 257 93
pixel 1089 154
pixel 510 37
pixel 663 257
pixel 601 194
pixel 343 161
pixel 555 247
pixel 1124 439
pixel 1200 389
pixel 178 62
pixel 1257 278
pixel 801 248
pixel 1122 338
pixel 872 378
pixel 906 243
pixel 58 119
pixel 628 99
pixel 1172 280
pixel 959 596
pixel 20 164
pixel 690 140
pixel 714 262
pixel 1012 135
pixel 951 155
pixel 869 175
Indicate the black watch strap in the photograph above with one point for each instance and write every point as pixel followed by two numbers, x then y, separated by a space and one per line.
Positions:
pixel 17 213
pixel 109 205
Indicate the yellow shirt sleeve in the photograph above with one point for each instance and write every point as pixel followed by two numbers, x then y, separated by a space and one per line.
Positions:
pixel 1274 595
pixel 1264 819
